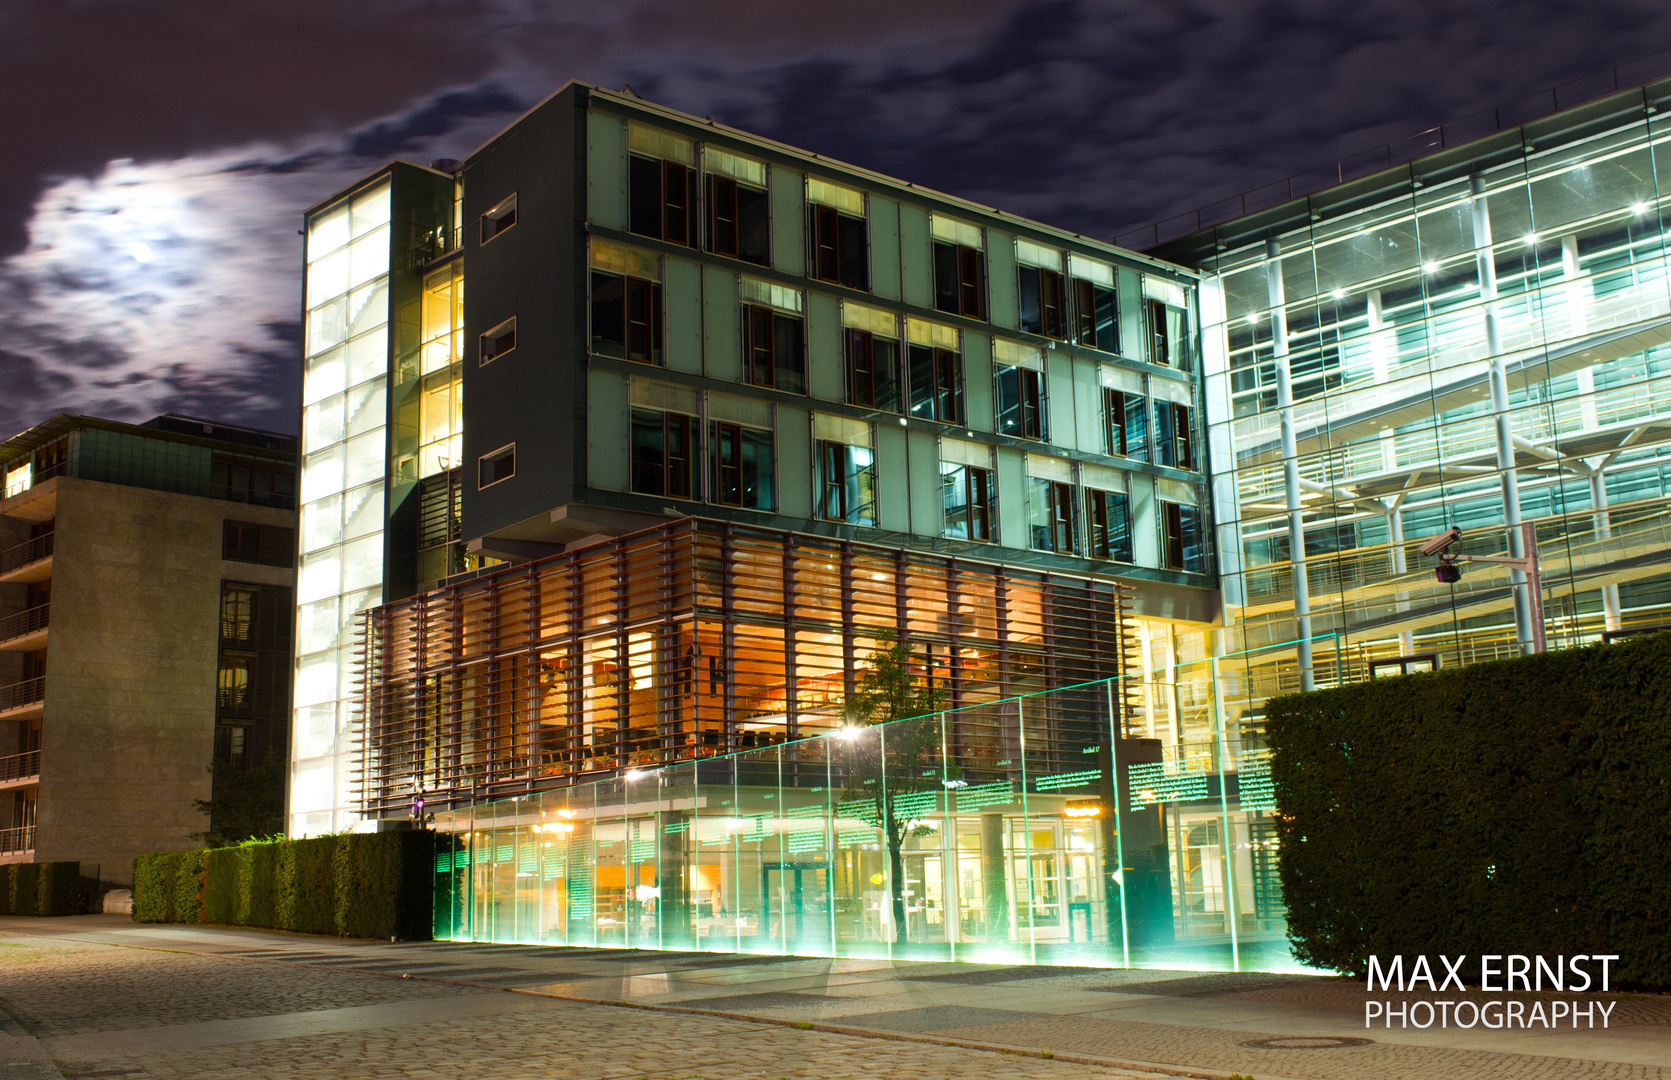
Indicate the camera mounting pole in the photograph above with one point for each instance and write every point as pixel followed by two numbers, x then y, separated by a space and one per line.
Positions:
pixel 1528 566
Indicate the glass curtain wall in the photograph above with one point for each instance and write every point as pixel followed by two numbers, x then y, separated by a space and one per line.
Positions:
pixel 344 415
pixel 1481 340
pixel 989 833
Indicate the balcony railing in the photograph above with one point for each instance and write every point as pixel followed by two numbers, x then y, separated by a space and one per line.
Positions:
pixel 23 554
pixel 20 766
pixel 22 693
pixel 24 622
pixel 22 839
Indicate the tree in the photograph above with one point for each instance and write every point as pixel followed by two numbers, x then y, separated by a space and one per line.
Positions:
pixel 892 768
pixel 243 804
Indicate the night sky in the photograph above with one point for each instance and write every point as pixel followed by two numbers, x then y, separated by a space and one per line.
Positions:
pixel 158 154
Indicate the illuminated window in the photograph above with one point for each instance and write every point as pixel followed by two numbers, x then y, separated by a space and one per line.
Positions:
pixel 840 235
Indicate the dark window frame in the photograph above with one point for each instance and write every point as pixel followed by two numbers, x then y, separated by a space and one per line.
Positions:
pixel 1060 516
pixel 838 475
pixel 1045 297
pixel 728 484
pixel 1090 329
pixel 729 234
pixel 499 219
pixel 639 339
pixel 1028 400
pixel 493 460
pixel 965 292
pixel 942 391
pixel 1105 537
pixel 671 212
pixel 496 337
pixel 677 473
pixel 872 382
pixel 774 348
pixel 977 509
pixel 840 247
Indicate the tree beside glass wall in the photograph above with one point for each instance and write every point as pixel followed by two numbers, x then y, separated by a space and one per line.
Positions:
pixel 897 772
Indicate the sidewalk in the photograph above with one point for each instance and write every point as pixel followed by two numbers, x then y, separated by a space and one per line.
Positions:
pixel 868 1018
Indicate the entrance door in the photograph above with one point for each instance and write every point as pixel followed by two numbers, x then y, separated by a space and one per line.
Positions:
pixel 797 904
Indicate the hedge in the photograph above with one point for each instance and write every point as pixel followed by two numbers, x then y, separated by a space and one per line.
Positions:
pixel 1517 806
pixel 51 888
pixel 357 885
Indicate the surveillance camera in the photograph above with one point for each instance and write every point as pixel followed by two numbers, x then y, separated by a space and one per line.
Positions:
pixel 1444 540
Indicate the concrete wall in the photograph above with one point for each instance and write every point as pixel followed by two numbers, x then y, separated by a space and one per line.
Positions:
pixel 128 731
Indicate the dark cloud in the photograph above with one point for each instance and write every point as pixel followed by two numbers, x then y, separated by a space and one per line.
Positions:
pixel 1090 115
pixel 89 82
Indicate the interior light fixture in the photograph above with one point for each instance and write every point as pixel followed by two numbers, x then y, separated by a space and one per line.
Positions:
pixel 1430 268
pixel 1530 238
pixel 1339 294
pixel 1639 208
pixel 633 774
pixel 1253 318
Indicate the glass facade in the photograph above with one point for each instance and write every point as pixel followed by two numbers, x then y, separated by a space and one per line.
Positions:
pixel 344 448
pixel 1035 829
pixel 1480 339
pixel 694 640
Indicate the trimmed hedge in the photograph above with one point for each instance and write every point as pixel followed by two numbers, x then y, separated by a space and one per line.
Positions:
pixel 1517 806
pixel 52 888
pixel 153 887
pixel 357 885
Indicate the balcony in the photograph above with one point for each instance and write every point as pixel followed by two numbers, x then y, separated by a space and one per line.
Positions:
pixel 28 561
pixel 17 842
pixel 19 770
pixel 23 700
pixel 24 631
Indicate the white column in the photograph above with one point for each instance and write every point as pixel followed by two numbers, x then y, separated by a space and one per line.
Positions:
pixel 1290 461
pixel 1604 531
pixel 1395 529
pixel 1486 262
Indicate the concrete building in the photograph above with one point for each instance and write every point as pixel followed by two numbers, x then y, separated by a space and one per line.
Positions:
pixel 146 577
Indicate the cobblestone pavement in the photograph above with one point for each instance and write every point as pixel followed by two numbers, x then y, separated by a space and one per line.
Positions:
pixel 104 1010
pixel 110 998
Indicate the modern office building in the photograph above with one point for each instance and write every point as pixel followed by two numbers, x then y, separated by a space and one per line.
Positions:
pixel 718 422
pixel 146 576
pixel 638 435
pixel 1473 335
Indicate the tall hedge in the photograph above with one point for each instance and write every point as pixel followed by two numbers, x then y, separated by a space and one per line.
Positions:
pixel 6 890
pixel 189 874
pixel 358 885
pixel 58 891
pixel 153 887
pixel 25 888
pixel 1509 807
pixel 312 909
